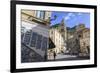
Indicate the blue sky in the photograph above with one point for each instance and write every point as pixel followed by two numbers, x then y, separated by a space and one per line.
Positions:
pixel 71 18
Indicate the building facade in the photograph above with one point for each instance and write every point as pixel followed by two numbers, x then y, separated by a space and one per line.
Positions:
pixel 59 37
pixel 73 41
pixel 79 40
pixel 35 35
pixel 42 16
pixel 85 42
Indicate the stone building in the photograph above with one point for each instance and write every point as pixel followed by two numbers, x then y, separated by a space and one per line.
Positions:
pixel 73 41
pixel 36 15
pixel 34 35
pixel 84 38
pixel 58 36
pixel 83 35
pixel 79 40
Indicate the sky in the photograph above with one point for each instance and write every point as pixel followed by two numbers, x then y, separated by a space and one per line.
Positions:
pixel 71 18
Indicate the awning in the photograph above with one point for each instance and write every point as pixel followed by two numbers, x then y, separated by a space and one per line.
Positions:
pixel 51 44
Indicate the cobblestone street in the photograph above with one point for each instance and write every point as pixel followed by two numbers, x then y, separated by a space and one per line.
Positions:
pixel 60 56
pixel 66 57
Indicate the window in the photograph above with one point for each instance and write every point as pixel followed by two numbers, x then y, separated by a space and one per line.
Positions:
pixel 40 14
pixel 22 36
pixel 27 37
pixel 45 43
pixel 39 41
pixel 33 40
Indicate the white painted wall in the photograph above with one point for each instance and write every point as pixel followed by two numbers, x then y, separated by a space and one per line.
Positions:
pixel 5 37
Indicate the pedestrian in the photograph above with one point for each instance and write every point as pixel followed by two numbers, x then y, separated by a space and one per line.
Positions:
pixel 45 57
pixel 54 55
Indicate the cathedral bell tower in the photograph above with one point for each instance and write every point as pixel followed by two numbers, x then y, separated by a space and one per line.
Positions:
pixel 63 30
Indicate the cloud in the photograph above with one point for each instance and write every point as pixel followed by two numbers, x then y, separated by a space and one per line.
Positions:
pixel 69 16
pixel 79 13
